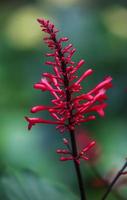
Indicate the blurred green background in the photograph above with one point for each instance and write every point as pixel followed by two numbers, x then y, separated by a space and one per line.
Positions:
pixel 29 166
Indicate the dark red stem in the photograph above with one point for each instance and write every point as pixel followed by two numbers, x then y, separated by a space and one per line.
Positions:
pixel 77 167
pixel 98 175
pixel 114 181
pixel 72 133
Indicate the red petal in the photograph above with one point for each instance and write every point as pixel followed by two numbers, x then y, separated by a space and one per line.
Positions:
pixel 89 146
pixel 104 84
pixel 33 121
pixel 87 73
pixel 39 108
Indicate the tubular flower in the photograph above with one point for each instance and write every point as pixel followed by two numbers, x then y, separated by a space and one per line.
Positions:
pixel 69 154
pixel 67 109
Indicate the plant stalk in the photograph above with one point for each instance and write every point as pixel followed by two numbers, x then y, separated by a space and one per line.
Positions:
pixel 98 175
pixel 72 133
pixel 77 167
pixel 114 181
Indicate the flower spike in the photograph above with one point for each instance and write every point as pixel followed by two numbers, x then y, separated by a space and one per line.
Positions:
pixel 67 109
pixel 68 151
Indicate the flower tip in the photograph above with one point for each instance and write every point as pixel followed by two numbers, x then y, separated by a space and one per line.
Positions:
pixel 39 20
pixel 63 159
pixel 109 78
pixel 81 62
pixel 93 143
pixel 29 125
pixel 42 22
pixel 58 151
pixel 66 158
pixel 33 110
pixel 37 109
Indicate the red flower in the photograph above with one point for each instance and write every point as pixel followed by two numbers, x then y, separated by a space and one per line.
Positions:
pixel 79 156
pixel 83 138
pixel 67 109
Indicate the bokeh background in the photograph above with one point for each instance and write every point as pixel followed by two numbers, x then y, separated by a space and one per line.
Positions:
pixel 29 166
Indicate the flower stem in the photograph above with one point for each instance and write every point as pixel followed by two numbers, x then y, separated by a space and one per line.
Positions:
pixel 77 167
pixel 114 181
pixel 72 134
pixel 98 175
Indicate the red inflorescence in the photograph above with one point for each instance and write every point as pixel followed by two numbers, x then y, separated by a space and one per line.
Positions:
pixel 67 109
pixel 81 155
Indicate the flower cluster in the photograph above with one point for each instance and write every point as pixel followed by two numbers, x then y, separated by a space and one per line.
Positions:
pixel 67 108
pixel 68 152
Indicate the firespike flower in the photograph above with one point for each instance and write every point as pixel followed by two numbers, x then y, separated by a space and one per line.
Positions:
pixel 67 108
pixel 68 151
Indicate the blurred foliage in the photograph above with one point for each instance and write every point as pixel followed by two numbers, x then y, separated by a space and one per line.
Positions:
pixel 27 185
pixel 98 30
